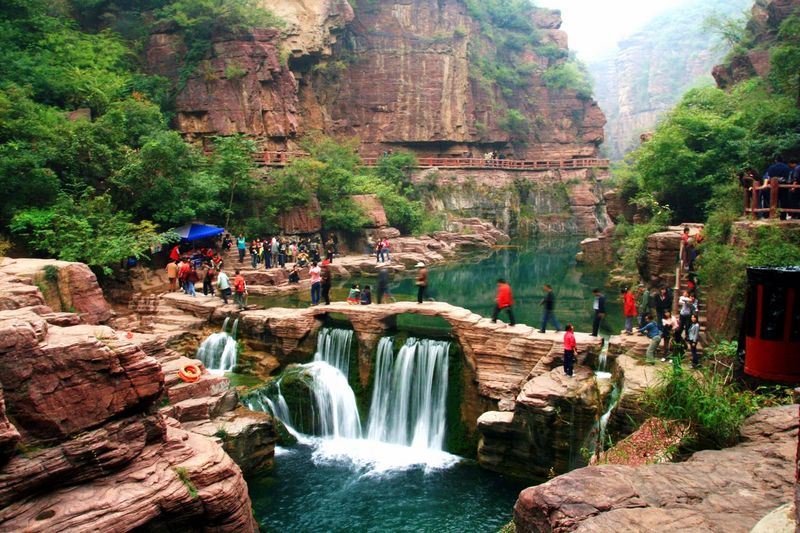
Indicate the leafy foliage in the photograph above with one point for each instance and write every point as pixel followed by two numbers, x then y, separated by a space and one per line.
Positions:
pixel 571 75
pixel 89 230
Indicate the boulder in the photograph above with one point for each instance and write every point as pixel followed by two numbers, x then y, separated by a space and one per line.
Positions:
pixel 74 288
pixel 715 490
pixel 372 208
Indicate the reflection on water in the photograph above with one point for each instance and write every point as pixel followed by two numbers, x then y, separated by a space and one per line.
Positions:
pixel 527 265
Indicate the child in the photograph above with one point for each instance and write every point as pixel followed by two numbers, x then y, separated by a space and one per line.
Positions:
pixel 570 349
pixel 694 333
pixel 354 297
pixel 668 324
pixel 366 296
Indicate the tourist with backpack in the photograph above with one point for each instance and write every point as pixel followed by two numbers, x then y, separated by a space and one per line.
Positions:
pixel 224 286
pixel 239 290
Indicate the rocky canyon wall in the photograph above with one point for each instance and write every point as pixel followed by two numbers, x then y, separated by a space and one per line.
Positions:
pixel 652 68
pixel 394 74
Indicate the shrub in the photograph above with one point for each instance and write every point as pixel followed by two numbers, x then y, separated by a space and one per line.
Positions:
pixel 714 407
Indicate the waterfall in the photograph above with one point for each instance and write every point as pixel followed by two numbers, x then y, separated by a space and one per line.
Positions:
pixel 218 353
pixel 336 412
pixel 407 419
pixel 235 328
pixel 333 347
pixel 410 392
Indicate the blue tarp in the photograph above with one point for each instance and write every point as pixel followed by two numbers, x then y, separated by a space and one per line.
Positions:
pixel 192 232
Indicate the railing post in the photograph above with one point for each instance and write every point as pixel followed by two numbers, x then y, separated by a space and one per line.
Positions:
pixel 746 198
pixel 754 201
pixel 773 198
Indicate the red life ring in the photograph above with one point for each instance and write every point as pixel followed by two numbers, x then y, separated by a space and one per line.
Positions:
pixel 189 373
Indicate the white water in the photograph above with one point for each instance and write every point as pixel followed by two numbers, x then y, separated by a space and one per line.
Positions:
pixel 218 352
pixel 333 347
pixel 406 425
pixel 409 396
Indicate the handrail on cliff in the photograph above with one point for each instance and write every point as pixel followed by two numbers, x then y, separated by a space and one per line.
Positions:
pixel 753 192
pixel 280 159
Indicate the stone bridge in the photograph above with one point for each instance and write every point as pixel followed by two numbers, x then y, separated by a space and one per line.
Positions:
pixel 501 356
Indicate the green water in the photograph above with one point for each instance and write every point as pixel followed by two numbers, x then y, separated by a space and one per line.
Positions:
pixel 304 496
pixel 527 265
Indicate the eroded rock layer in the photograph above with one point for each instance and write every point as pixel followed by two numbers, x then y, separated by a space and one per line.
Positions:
pixel 728 490
pixel 83 446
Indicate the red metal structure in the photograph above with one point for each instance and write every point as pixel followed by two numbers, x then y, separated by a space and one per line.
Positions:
pixel 772 324
pixel 279 159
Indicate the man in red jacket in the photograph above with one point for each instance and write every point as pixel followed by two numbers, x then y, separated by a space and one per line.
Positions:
pixel 629 310
pixel 504 300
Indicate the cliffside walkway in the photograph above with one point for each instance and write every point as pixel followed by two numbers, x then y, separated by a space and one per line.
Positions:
pixel 281 159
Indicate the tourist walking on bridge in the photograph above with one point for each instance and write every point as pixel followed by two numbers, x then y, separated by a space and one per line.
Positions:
pixel 505 300
pixel 316 280
pixel 422 281
pixel 599 308
pixel 570 350
pixel 549 304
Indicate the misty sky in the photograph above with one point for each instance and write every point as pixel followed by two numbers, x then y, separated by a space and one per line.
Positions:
pixel 595 26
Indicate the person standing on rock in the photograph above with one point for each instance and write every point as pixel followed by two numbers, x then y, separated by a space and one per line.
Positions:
pixel 663 303
pixel 273 247
pixel 570 350
pixel 549 304
pixel 422 281
pixel 326 277
pixel 629 310
pixel 505 300
pixel 208 281
pixel 191 279
pixel 644 304
pixel 652 330
pixel 224 285
pixel 316 279
pixel 599 308
pixel 239 289
pixel 172 274
pixel 692 336
pixel 241 246
pixel 383 284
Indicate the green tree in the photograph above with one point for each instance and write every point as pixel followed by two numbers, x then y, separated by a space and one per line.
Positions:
pixel 90 230
pixel 232 162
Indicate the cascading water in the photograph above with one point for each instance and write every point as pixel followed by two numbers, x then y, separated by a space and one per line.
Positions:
pixel 218 352
pixel 333 347
pixel 406 423
pixel 409 398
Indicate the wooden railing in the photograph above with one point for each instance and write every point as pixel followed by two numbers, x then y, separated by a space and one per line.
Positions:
pixel 279 159
pixel 770 192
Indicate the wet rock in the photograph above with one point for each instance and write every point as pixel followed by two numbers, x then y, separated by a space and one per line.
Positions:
pixel 725 490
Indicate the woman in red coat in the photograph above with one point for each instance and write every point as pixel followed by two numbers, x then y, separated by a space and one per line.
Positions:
pixel 505 300
pixel 629 310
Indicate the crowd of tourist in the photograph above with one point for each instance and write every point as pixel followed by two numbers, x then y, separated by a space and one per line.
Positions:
pixel 788 177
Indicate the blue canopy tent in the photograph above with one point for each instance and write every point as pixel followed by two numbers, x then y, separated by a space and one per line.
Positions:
pixel 192 232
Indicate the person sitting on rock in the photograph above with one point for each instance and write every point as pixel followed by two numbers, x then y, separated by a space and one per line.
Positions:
pixel 294 275
pixel 366 296
pixel 354 296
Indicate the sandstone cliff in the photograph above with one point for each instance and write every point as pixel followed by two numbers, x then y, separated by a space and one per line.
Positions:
pixel 753 58
pixel 83 446
pixel 651 69
pixel 399 73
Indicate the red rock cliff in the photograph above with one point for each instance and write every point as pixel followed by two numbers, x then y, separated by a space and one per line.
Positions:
pixel 399 73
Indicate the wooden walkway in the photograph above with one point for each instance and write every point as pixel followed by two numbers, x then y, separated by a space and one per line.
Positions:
pixel 281 159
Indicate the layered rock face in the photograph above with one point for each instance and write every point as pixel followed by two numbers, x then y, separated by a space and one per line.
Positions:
pixel 726 490
pixel 762 28
pixel 82 445
pixel 398 74
pixel 521 202
pixel 651 69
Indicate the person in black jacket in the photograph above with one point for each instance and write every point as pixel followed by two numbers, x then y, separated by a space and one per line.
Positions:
pixel 599 308
pixel 663 303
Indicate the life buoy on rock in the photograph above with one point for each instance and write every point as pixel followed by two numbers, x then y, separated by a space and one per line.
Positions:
pixel 189 373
